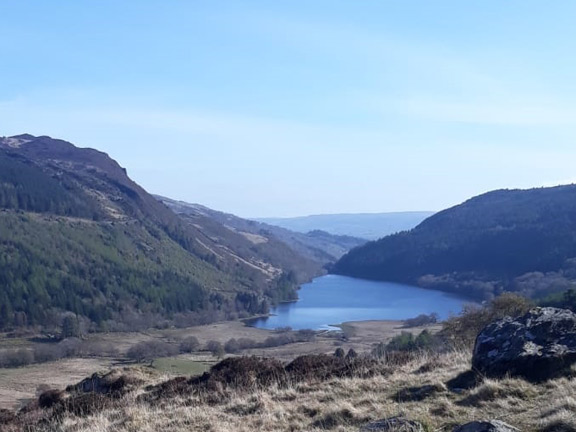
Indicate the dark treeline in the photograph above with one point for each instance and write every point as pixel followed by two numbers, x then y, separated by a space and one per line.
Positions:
pixel 112 273
pixel 25 187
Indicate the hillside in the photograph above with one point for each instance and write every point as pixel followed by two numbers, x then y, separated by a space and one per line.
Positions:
pixel 316 245
pixel 370 226
pixel 78 235
pixel 519 240
pixel 320 394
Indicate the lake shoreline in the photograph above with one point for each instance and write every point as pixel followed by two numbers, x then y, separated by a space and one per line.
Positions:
pixel 331 300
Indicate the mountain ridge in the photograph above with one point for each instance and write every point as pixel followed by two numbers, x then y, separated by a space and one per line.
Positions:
pixel 370 226
pixel 316 245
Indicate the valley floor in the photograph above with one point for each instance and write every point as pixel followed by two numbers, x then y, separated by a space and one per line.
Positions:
pixel 19 385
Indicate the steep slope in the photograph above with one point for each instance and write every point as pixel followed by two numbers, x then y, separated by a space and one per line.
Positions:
pixel 78 235
pixel 522 240
pixel 316 245
pixel 370 226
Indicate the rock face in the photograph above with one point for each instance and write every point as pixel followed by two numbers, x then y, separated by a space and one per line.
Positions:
pixel 486 426
pixel 117 381
pixel 537 346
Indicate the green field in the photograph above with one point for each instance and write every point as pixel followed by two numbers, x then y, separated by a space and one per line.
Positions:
pixel 180 366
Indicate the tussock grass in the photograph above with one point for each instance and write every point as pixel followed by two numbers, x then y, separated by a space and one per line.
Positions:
pixel 341 403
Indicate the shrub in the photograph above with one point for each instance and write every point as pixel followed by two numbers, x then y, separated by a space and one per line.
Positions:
pixel 246 343
pixel 190 344
pixel 244 373
pixel 215 348
pixel 232 346
pixel 406 341
pixel 305 335
pixel 150 350
pixel 352 354
pixel 16 358
pixel 403 342
pixel 70 347
pixel 421 320
pixel 47 352
pixel 275 341
pixel 462 330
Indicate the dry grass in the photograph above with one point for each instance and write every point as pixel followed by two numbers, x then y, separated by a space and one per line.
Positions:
pixel 20 384
pixel 341 404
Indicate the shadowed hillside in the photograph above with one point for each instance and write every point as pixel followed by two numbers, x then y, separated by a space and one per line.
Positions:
pixel 520 240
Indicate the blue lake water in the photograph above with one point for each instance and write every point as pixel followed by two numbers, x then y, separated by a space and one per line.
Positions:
pixel 333 299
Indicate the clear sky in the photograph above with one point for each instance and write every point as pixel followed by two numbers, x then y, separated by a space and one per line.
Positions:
pixel 295 107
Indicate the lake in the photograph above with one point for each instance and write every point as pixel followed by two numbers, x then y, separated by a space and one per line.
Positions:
pixel 333 299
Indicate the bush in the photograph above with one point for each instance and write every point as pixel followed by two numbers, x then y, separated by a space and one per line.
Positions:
pixel 190 344
pixel 16 358
pixel 232 346
pixel 275 341
pixel 352 354
pixel 305 335
pixel 215 348
pixel 462 330
pixel 150 350
pixel 244 373
pixel 246 343
pixel 70 347
pixel 47 352
pixel 403 342
pixel 421 320
pixel 406 341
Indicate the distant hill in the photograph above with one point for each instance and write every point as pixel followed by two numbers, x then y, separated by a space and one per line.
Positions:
pixel 520 240
pixel 370 226
pixel 318 246
pixel 77 235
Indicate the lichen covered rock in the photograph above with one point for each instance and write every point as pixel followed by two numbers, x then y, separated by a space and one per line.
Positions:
pixel 538 346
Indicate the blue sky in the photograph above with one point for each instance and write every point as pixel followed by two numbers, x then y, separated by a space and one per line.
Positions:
pixel 293 107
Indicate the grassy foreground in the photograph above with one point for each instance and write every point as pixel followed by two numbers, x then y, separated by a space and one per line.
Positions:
pixel 413 387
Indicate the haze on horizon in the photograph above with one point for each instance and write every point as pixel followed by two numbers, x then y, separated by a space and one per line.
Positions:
pixel 292 108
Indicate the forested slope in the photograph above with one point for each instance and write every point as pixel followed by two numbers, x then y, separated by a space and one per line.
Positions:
pixel 77 235
pixel 522 240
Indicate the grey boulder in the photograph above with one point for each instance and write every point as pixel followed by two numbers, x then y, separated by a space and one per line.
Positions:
pixel 537 346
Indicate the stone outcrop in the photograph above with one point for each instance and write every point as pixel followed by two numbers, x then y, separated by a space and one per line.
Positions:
pixel 538 346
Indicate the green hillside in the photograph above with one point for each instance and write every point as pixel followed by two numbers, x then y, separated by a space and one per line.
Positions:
pixel 78 236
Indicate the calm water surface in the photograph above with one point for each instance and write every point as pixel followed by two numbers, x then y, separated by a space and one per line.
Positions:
pixel 334 299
